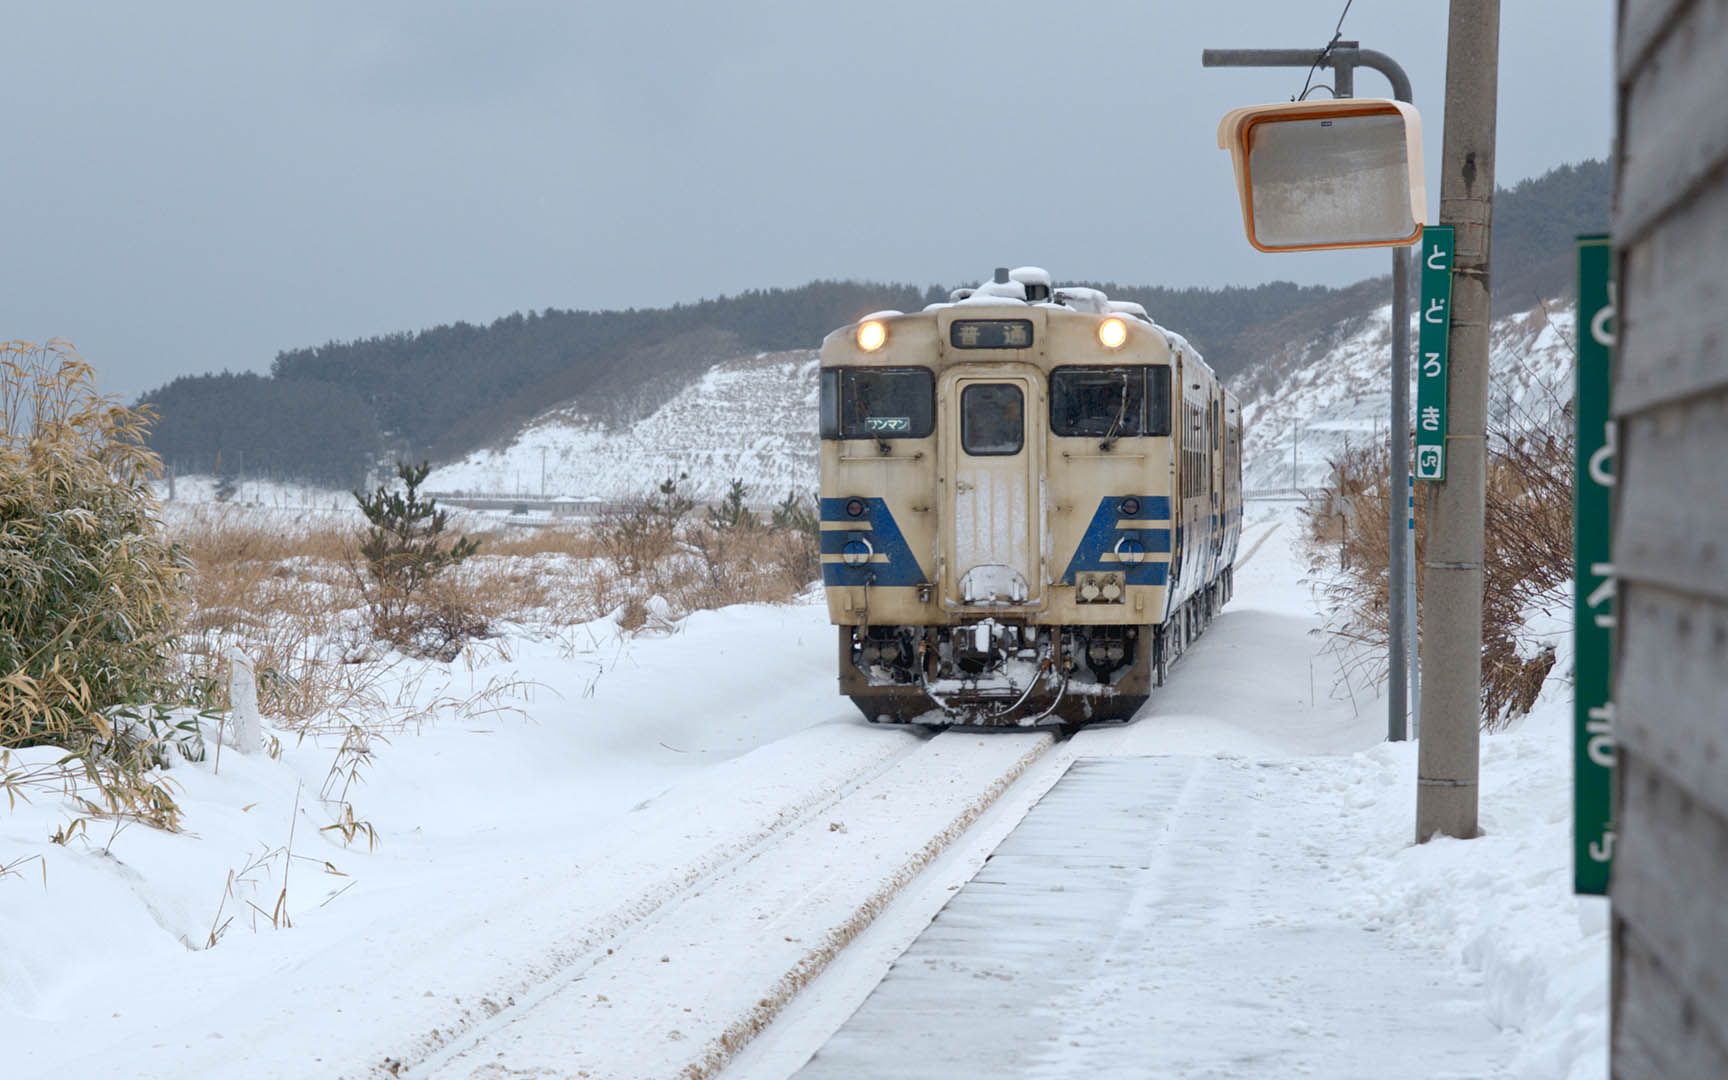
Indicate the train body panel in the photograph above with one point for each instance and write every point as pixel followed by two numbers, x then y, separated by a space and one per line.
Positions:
pixel 1026 508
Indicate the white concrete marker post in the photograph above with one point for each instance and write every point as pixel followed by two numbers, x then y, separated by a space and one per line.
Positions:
pixel 245 728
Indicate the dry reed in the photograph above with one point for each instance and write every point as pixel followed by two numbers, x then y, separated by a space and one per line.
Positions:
pixel 1527 558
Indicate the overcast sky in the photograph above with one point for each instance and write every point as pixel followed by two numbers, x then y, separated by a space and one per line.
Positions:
pixel 193 187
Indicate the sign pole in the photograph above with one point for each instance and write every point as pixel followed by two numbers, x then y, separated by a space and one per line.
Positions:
pixel 1448 762
pixel 1344 58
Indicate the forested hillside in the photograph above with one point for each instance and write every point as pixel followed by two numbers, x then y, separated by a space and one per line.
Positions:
pixel 329 413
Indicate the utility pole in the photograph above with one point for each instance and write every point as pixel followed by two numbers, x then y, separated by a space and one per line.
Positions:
pixel 1344 57
pixel 1448 761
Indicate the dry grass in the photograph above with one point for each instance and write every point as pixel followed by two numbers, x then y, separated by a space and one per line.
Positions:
pixel 115 628
pixel 293 597
pixel 1527 556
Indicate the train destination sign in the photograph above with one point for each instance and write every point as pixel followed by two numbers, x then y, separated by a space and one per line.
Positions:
pixel 1435 321
pixel 991 334
pixel 1593 599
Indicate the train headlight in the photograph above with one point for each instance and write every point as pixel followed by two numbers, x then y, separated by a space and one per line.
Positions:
pixel 1130 551
pixel 872 335
pixel 857 551
pixel 1112 333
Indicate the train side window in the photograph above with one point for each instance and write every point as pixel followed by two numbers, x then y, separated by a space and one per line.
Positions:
pixel 1098 402
pixel 830 412
pixel 992 419
pixel 878 403
pixel 1158 401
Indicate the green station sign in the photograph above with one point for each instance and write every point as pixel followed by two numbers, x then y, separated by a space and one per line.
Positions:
pixel 1593 581
pixel 1434 321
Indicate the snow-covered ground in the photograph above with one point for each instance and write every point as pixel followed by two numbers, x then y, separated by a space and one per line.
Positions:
pixel 687 846
pixel 199 490
pixel 1228 888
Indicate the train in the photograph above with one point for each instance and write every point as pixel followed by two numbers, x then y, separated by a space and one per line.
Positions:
pixel 1030 505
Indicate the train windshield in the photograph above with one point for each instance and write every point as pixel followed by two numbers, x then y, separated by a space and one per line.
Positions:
pixel 1110 402
pixel 878 403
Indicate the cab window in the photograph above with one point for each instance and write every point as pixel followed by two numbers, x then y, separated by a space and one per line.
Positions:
pixel 1101 402
pixel 878 403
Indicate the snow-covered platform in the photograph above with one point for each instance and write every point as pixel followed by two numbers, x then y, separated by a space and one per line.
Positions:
pixel 1165 916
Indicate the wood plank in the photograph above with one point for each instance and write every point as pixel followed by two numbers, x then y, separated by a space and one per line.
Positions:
pixel 1657 1035
pixel 1673 316
pixel 1674 118
pixel 1670 689
pixel 1671 523
pixel 1670 875
pixel 1642 23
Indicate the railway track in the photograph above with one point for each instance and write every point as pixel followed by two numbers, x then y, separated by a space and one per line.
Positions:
pixel 670 847
pixel 663 993
pixel 678 989
pixel 647 982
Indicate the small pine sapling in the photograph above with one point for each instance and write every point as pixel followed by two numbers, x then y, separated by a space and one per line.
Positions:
pixel 404 545
pixel 732 514
pixel 799 529
pixel 795 514
pixel 405 549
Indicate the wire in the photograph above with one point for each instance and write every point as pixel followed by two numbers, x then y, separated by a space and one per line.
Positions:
pixel 1337 36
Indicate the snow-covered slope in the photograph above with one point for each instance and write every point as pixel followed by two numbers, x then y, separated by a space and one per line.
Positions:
pixel 752 417
pixel 1332 393
pixel 755 418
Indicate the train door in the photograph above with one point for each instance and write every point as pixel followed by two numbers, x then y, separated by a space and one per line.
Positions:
pixel 993 509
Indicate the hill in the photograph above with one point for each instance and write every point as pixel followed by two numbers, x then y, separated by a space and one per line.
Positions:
pixel 331 413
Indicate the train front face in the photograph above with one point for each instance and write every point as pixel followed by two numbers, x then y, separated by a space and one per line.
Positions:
pixel 996 513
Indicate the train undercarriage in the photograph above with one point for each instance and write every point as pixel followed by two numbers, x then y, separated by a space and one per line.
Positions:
pixel 1002 672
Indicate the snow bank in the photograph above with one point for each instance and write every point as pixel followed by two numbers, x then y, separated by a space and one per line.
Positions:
pixel 1500 905
pixel 106 969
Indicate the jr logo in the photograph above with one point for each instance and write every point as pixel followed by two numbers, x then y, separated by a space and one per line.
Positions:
pixel 1428 463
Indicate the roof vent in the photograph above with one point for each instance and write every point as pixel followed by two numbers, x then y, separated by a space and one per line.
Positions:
pixel 1001 275
pixel 1037 282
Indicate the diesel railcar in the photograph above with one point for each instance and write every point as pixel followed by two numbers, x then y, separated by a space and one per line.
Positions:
pixel 1031 499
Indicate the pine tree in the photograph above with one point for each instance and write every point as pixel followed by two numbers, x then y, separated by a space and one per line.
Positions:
pixel 405 544
pixel 732 514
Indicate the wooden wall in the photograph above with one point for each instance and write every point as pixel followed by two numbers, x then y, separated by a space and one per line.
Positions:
pixel 1670 885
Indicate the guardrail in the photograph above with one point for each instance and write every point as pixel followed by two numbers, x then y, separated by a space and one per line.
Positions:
pixel 529 505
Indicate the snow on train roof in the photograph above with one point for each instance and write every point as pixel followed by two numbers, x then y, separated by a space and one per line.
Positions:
pixel 1063 298
pixel 1066 297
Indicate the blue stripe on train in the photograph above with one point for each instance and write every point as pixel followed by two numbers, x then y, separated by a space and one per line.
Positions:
pixel 1109 527
pixel 878 528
